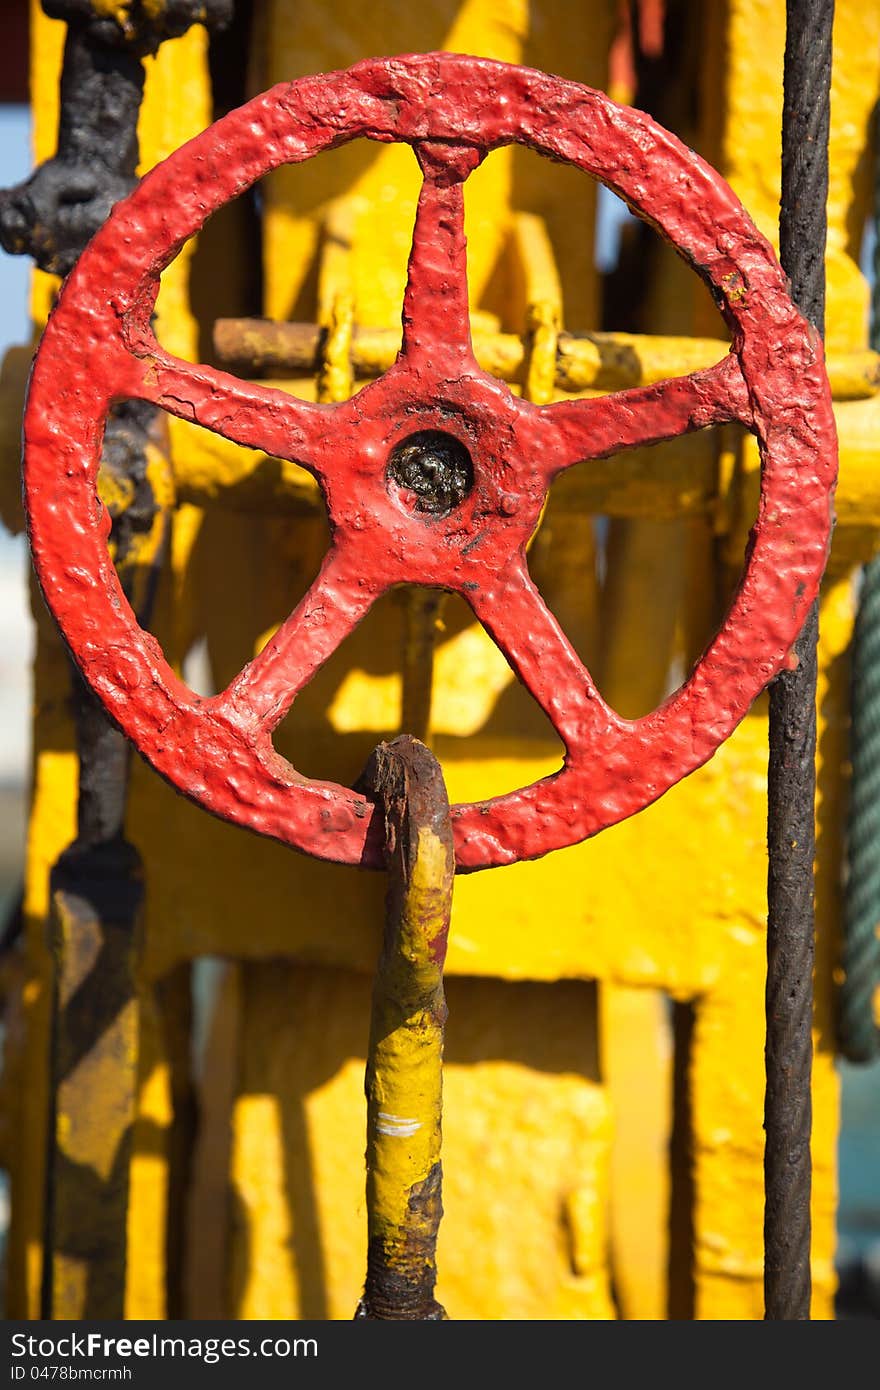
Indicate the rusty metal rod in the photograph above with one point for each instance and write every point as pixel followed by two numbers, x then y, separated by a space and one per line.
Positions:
pixel 404 1066
pixel 792 772
pixel 96 902
pixel 96 889
pixel 584 361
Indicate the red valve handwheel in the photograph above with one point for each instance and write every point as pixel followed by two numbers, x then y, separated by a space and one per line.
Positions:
pixel 99 348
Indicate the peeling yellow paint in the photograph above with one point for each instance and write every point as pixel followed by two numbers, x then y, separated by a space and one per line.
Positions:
pixel 406 1047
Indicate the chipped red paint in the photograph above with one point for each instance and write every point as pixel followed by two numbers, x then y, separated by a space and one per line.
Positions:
pixel 99 347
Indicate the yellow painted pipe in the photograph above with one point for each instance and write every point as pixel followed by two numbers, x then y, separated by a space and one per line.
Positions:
pixel 582 361
pixel 404 1064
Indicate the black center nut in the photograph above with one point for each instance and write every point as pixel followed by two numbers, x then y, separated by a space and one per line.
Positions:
pixel 435 468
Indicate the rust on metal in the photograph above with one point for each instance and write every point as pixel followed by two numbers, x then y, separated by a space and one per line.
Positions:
pixel 405 1059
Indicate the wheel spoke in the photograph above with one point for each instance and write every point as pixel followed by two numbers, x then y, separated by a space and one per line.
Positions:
pixel 257 416
pixel 603 425
pixel 335 603
pixel 517 619
pixel 436 321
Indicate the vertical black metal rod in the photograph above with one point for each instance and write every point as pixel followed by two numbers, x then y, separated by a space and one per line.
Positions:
pixel 791 773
